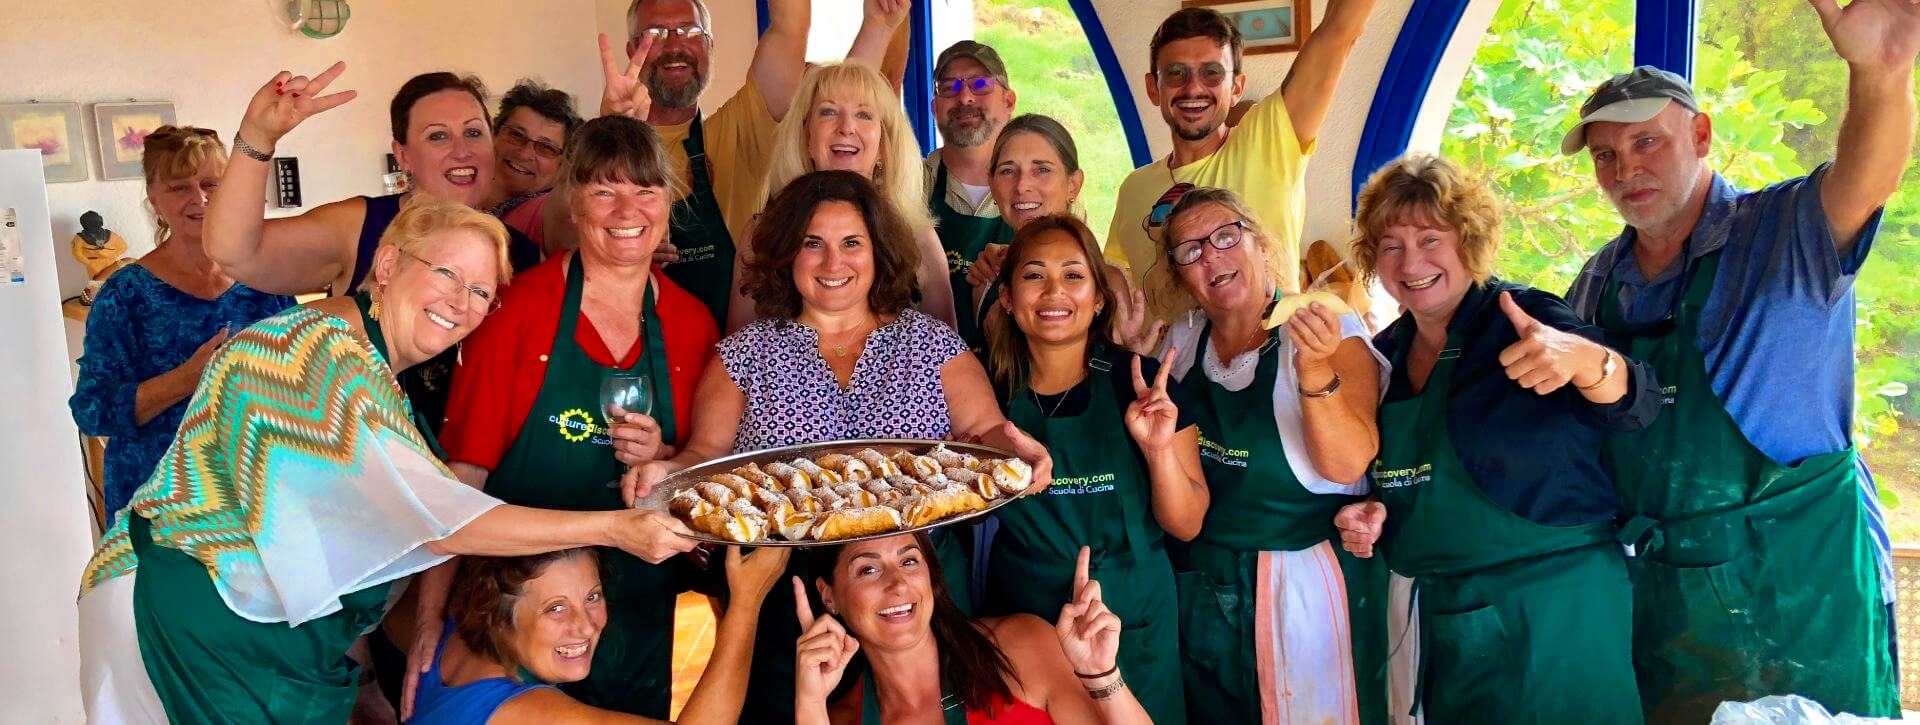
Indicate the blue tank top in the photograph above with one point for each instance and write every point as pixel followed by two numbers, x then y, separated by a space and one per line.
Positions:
pixel 522 252
pixel 434 703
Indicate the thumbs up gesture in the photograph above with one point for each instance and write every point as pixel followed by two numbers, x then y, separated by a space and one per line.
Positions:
pixel 1546 359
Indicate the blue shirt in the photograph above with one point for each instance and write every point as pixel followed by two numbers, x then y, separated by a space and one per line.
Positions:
pixel 1777 329
pixel 139 328
pixel 434 703
pixel 1537 456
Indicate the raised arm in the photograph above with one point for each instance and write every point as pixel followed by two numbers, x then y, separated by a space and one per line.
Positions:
pixel 877 23
pixel 282 256
pixel 1339 424
pixel 781 57
pixel 1308 89
pixel 1180 495
pixel 723 687
pixel 1878 39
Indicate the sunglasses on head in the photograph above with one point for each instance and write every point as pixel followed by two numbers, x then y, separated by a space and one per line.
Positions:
pixel 1157 216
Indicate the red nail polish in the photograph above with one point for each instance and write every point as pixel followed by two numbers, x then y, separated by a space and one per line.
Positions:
pixel 296 94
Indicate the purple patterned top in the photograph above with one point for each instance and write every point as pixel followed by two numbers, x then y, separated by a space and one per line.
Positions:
pixel 794 398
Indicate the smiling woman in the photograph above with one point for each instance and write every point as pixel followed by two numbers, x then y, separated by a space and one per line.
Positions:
pixel 579 317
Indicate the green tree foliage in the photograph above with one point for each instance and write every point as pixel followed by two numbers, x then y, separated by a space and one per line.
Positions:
pixel 1054 73
pixel 1769 80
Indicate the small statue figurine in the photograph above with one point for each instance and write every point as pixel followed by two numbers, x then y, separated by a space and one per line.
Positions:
pixel 100 251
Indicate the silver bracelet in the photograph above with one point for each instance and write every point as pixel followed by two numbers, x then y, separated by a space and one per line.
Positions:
pixel 1326 393
pixel 241 145
pixel 1106 691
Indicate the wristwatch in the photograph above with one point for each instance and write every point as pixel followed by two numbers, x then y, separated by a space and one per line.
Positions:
pixel 1606 372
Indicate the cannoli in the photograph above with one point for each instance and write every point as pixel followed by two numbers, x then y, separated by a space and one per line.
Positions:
pixel 732 526
pixel 741 487
pixel 849 468
pixel 758 477
pixel 1012 475
pixel 849 523
pixel 789 476
pixel 715 493
pixel 688 503
pixel 877 462
pixel 819 476
pixel 855 496
pixel 916 466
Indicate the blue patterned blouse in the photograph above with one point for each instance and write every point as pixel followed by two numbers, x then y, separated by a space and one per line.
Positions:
pixel 140 327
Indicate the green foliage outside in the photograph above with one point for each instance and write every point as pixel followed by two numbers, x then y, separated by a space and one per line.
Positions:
pixel 1054 73
pixel 1768 78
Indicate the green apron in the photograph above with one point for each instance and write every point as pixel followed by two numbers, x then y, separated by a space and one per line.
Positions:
pixel 951 709
pixel 1098 499
pixel 1752 578
pixel 1519 622
pixel 705 267
pixel 209 665
pixel 964 236
pixel 562 459
pixel 1257 504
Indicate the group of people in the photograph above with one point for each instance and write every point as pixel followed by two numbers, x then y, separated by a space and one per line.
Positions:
pixel 1504 506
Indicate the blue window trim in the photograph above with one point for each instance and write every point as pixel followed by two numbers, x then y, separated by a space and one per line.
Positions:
pixel 917 84
pixel 1424 38
pixel 1663 35
pixel 1118 85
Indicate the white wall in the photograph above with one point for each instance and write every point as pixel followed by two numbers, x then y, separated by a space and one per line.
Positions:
pixel 1130 25
pixel 208 57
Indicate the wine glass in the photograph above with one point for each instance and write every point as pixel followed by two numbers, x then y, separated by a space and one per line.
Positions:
pixel 622 393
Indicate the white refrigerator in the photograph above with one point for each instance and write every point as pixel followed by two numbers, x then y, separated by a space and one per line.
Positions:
pixel 45 531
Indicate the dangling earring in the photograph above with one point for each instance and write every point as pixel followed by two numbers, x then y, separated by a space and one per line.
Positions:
pixel 373 309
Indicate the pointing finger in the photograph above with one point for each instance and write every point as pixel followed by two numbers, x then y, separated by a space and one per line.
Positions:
pixel 802 608
pixel 1080 571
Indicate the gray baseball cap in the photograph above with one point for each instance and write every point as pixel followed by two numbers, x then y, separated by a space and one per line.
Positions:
pixel 1631 97
pixel 981 53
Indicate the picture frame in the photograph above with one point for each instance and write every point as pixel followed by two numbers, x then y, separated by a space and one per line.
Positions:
pixel 55 128
pixel 1268 26
pixel 122 130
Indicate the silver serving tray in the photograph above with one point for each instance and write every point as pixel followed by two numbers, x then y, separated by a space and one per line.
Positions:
pixel 656 500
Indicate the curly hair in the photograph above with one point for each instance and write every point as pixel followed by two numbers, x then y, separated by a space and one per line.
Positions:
pixel 781 232
pixel 484 594
pixel 552 104
pixel 1427 189
pixel 1006 342
pixel 1169 297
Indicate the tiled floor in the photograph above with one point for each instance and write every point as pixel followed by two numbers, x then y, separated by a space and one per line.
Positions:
pixel 693 624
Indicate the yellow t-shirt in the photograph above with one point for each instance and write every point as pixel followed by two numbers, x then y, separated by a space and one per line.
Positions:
pixel 1262 161
pixel 739 142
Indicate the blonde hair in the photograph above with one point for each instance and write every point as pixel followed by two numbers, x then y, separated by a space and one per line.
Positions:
pixel 897 173
pixel 423 217
pixel 1169 297
pixel 175 152
pixel 1428 189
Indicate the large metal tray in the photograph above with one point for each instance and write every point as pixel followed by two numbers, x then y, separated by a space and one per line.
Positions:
pixel 656 500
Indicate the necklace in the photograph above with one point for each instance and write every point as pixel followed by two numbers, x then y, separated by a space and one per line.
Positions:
pixel 1057 403
pixel 859 332
pixel 1248 356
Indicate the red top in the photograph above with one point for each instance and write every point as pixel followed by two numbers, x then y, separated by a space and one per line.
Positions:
pixel 503 363
pixel 1019 714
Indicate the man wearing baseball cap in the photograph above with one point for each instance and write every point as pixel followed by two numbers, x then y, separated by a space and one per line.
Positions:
pixel 1751 518
pixel 972 101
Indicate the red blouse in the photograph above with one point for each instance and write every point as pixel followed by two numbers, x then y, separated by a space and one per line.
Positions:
pixel 503 363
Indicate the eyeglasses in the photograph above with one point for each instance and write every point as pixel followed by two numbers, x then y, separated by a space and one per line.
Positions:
pixel 1224 237
pixel 1657 328
pixel 448 282
pixel 1176 75
pixel 518 138
pixel 1157 216
pixel 684 32
pixel 977 85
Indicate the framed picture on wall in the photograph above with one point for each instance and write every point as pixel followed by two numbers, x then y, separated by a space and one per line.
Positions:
pixel 1269 26
pixel 123 129
pixel 54 129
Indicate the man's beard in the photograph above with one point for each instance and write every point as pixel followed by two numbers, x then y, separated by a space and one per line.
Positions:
pixel 678 96
pixel 1195 134
pixel 980 133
